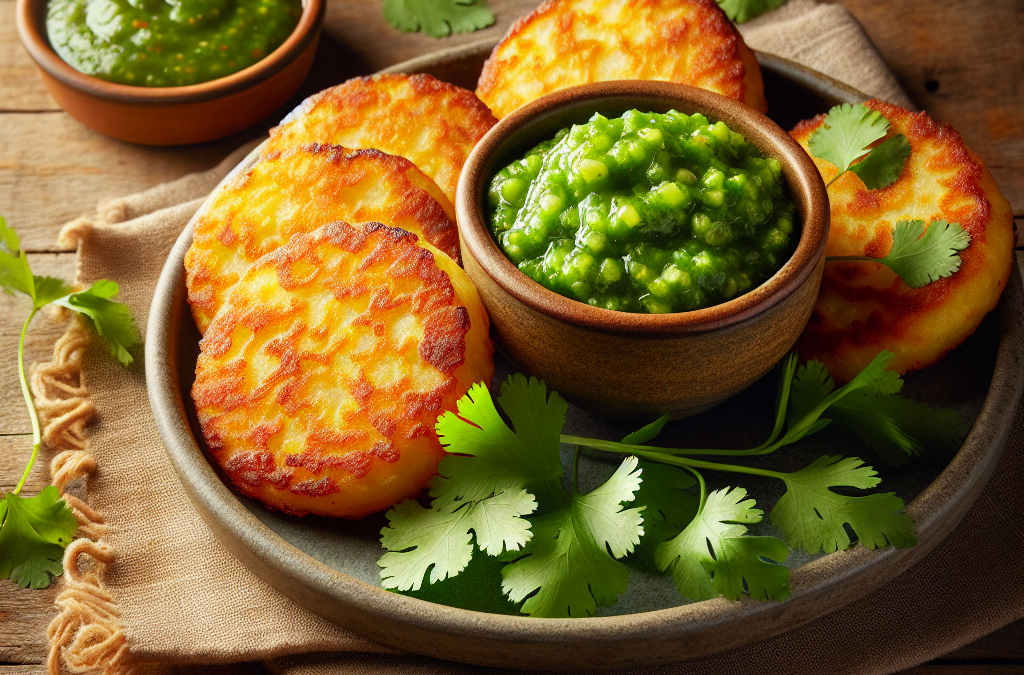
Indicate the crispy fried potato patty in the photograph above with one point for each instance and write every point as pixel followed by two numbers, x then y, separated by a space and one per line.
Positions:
pixel 429 122
pixel 564 43
pixel 864 308
pixel 298 190
pixel 320 380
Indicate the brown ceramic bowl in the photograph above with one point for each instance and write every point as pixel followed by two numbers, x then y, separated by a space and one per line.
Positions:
pixel 633 365
pixel 174 115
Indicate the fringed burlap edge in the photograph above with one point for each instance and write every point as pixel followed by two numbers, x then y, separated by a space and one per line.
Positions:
pixel 86 636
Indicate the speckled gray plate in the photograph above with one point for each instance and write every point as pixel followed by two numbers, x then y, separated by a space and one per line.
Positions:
pixel 329 566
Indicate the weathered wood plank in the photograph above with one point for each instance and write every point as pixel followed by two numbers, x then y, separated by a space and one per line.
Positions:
pixel 15 451
pixel 961 61
pixel 24 615
pixel 39 341
pixel 22 86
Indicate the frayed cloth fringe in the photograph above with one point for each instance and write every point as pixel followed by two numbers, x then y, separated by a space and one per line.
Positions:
pixel 86 636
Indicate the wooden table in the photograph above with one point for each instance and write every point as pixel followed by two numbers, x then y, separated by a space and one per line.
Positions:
pixel 961 60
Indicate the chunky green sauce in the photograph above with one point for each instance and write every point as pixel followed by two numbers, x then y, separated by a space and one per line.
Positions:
pixel 167 43
pixel 645 213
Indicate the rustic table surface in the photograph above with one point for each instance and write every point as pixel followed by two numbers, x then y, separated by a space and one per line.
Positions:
pixel 961 60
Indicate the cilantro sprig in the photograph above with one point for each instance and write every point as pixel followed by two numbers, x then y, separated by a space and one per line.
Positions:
pixel 34 531
pixel 500 494
pixel 438 18
pixel 920 254
pixel 741 11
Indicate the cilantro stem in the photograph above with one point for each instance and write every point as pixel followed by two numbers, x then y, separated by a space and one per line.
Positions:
pixel 703 488
pixel 614 446
pixel 835 178
pixel 691 464
pixel 575 471
pixel 37 437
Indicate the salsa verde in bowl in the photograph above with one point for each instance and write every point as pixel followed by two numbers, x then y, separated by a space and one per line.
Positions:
pixel 175 115
pixel 645 212
pixel 630 364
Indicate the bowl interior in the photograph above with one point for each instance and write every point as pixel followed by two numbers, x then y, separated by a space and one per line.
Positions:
pixel 541 119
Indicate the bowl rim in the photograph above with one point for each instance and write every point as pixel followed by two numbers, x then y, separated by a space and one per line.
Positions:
pixel 526 126
pixel 31 20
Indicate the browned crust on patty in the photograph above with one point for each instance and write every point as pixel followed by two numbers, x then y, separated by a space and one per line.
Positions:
pixel 432 123
pixel 319 381
pixel 571 42
pixel 299 190
pixel 863 308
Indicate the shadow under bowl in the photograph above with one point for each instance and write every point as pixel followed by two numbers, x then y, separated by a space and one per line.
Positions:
pixel 632 365
pixel 174 115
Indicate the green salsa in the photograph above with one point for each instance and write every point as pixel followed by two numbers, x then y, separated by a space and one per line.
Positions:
pixel 167 43
pixel 644 213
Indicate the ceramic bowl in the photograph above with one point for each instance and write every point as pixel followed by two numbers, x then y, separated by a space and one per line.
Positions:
pixel 174 115
pixel 631 365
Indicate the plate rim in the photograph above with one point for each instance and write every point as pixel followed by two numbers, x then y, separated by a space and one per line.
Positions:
pixel 654 637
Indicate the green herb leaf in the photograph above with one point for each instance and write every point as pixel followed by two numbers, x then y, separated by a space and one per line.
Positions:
pixel 15 274
pixel 113 321
pixel 569 569
pixel 49 289
pixel 736 558
pixel 884 164
pixel 895 427
pixel 34 532
pixel 847 132
pixel 813 516
pixel 438 18
pixel 741 11
pixel 490 457
pixel 920 256
pixel 668 507
pixel 438 540
pixel 485 488
pixel 646 433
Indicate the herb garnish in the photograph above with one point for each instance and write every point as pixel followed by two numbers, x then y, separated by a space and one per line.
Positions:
pixel 500 491
pixel 438 18
pixel 741 11
pixel 919 255
pixel 35 531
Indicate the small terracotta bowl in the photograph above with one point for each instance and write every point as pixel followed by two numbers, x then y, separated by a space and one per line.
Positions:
pixel 637 365
pixel 174 115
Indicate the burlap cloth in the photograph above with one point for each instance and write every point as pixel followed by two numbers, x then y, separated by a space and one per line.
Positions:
pixel 149 584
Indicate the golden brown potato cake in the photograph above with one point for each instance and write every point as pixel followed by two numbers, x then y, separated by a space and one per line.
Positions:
pixel 321 378
pixel 299 190
pixel 864 308
pixel 570 42
pixel 429 122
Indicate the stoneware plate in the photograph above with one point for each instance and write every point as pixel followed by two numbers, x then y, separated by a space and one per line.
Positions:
pixel 330 566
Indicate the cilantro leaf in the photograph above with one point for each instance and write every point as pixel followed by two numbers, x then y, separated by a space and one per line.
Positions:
pixel 813 516
pixel 438 540
pixel 712 556
pixel 647 433
pixel 15 274
pixel 668 508
pixel 49 289
pixel 740 11
pixel 920 256
pixel 568 568
pixel 491 457
pixel 438 18
pixel 895 427
pixel 113 321
pixel 847 132
pixel 884 164
pixel 34 532
pixel 485 487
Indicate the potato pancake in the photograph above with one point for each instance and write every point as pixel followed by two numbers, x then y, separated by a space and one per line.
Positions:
pixel 299 190
pixel 320 379
pixel 429 122
pixel 570 42
pixel 864 307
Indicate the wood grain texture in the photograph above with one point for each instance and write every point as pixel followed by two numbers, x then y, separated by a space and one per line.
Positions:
pixel 962 61
pixel 959 59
